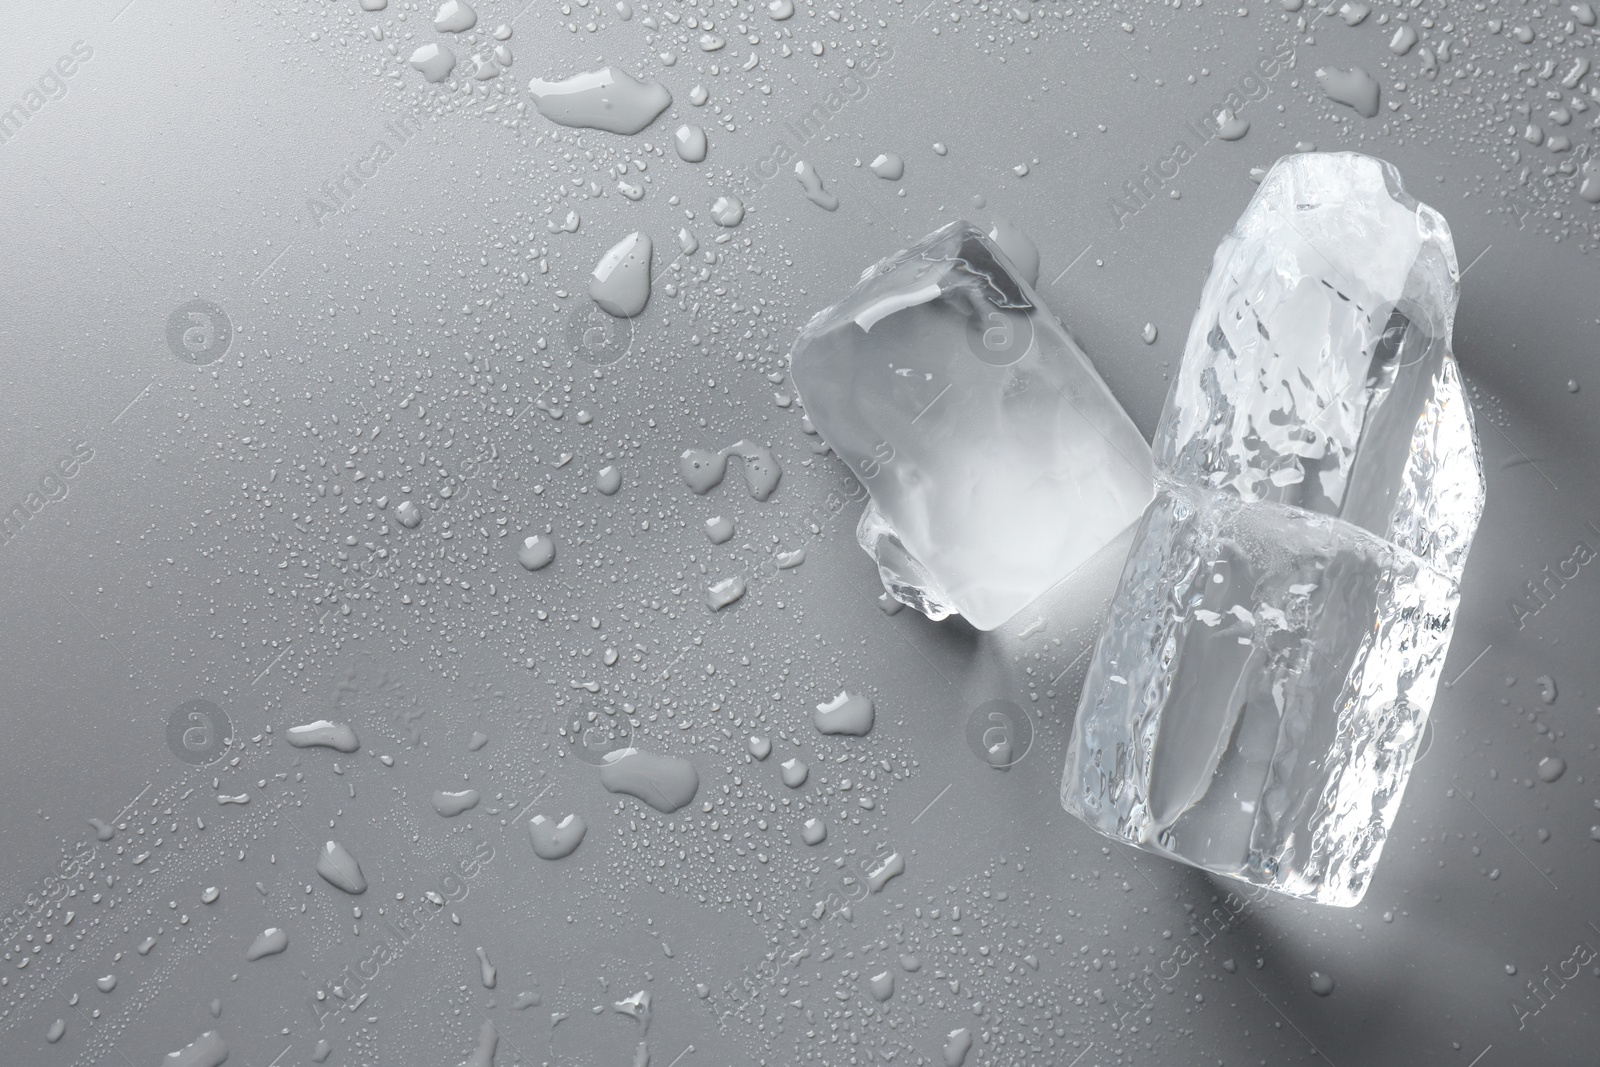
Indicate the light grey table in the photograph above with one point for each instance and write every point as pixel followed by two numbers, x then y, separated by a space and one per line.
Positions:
pixel 384 284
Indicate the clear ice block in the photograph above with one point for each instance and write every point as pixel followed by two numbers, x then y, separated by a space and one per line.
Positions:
pixel 1255 702
pixel 996 458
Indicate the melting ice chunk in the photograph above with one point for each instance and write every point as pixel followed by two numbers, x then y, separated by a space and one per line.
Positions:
pixel 1287 604
pixel 997 459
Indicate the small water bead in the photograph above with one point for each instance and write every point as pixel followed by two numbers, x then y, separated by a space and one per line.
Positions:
pixel 848 713
pixel 536 552
pixel 455 16
pixel 727 211
pixel 434 62
pixel 407 514
pixel 272 941
pixel 690 142
pixel 620 283
pixel 450 804
pixel 793 772
pixel 889 166
pixel 1551 768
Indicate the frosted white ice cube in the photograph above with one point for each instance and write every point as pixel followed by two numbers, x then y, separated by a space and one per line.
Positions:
pixel 996 458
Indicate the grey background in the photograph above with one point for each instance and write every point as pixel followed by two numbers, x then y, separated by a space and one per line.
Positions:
pixel 190 559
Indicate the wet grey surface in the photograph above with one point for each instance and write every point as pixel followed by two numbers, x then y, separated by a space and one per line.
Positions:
pixel 190 558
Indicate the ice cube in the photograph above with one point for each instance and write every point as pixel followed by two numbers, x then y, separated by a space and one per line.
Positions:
pixel 1255 705
pixel 996 458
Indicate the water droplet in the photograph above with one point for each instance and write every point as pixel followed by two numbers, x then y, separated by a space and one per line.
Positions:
pixel 408 514
pixel 608 480
pixel 703 471
pixel 793 772
pixel 434 62
pixel 666 783
pixel 957 1047
pixel 536 552
pixel 719 530
pixel 272 941
pixel 760 747
pixel 690 141
pixel 728 211
pixel 847 713
pixel 455 16
pixel 556 840
pixel 452 804
pixel 338 736
pixel 814 832
pixel 486 970
pixel 811 185
pixel 340 869
pixel 889 166
pixel 1354 88
pixel 1551 768
pixel 609 99
pixel 725 592
pixel 636 1007
pixel 1150 333
pixel 1231 127
pixel 1321 984
pixel 488 1039
pixel 620 284
pixel 207 1050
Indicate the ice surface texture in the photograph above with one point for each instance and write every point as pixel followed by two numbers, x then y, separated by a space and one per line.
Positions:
pixel 1255 702
pixel 997 459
